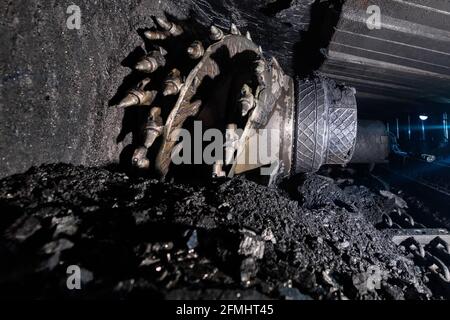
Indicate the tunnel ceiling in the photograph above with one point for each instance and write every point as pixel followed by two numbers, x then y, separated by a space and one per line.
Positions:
pixel 405 65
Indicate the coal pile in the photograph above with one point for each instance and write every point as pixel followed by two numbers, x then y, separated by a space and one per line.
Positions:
pixel 230 239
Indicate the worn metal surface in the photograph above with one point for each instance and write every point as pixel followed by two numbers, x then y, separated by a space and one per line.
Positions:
pixel 208 67
pixel 422 236
pixel 406 62
pixel 372 143
pixel 326 124
pixel 274 112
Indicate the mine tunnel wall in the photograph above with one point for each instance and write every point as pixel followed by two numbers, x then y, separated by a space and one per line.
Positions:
pixel 56 83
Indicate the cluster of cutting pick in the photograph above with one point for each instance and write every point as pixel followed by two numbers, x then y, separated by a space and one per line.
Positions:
pixel 173 84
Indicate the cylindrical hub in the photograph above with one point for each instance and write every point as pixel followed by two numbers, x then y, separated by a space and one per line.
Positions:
pixel 372 143
pixel 326 124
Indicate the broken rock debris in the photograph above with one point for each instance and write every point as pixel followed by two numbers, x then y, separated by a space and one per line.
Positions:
pixel 192 251
pixel 251 245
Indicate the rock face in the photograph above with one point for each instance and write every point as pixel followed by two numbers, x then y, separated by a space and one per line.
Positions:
pixel 277 25
pixel 228 239
pixel 57 83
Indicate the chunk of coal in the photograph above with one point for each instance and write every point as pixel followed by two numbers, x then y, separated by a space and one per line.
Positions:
pixel 193 240
pixel 149 261
pixel 251 245
pixel 67 226
pixel 160 246
pixel 293 294
pixel 267 235
pixel 360 283
pixel 343 245
pixel 328 279
pixel 26 229
pixel 249 269
pixel 57 246
pixel 394 292
pixel 399 202
pixel 50 263
pixel 368 281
